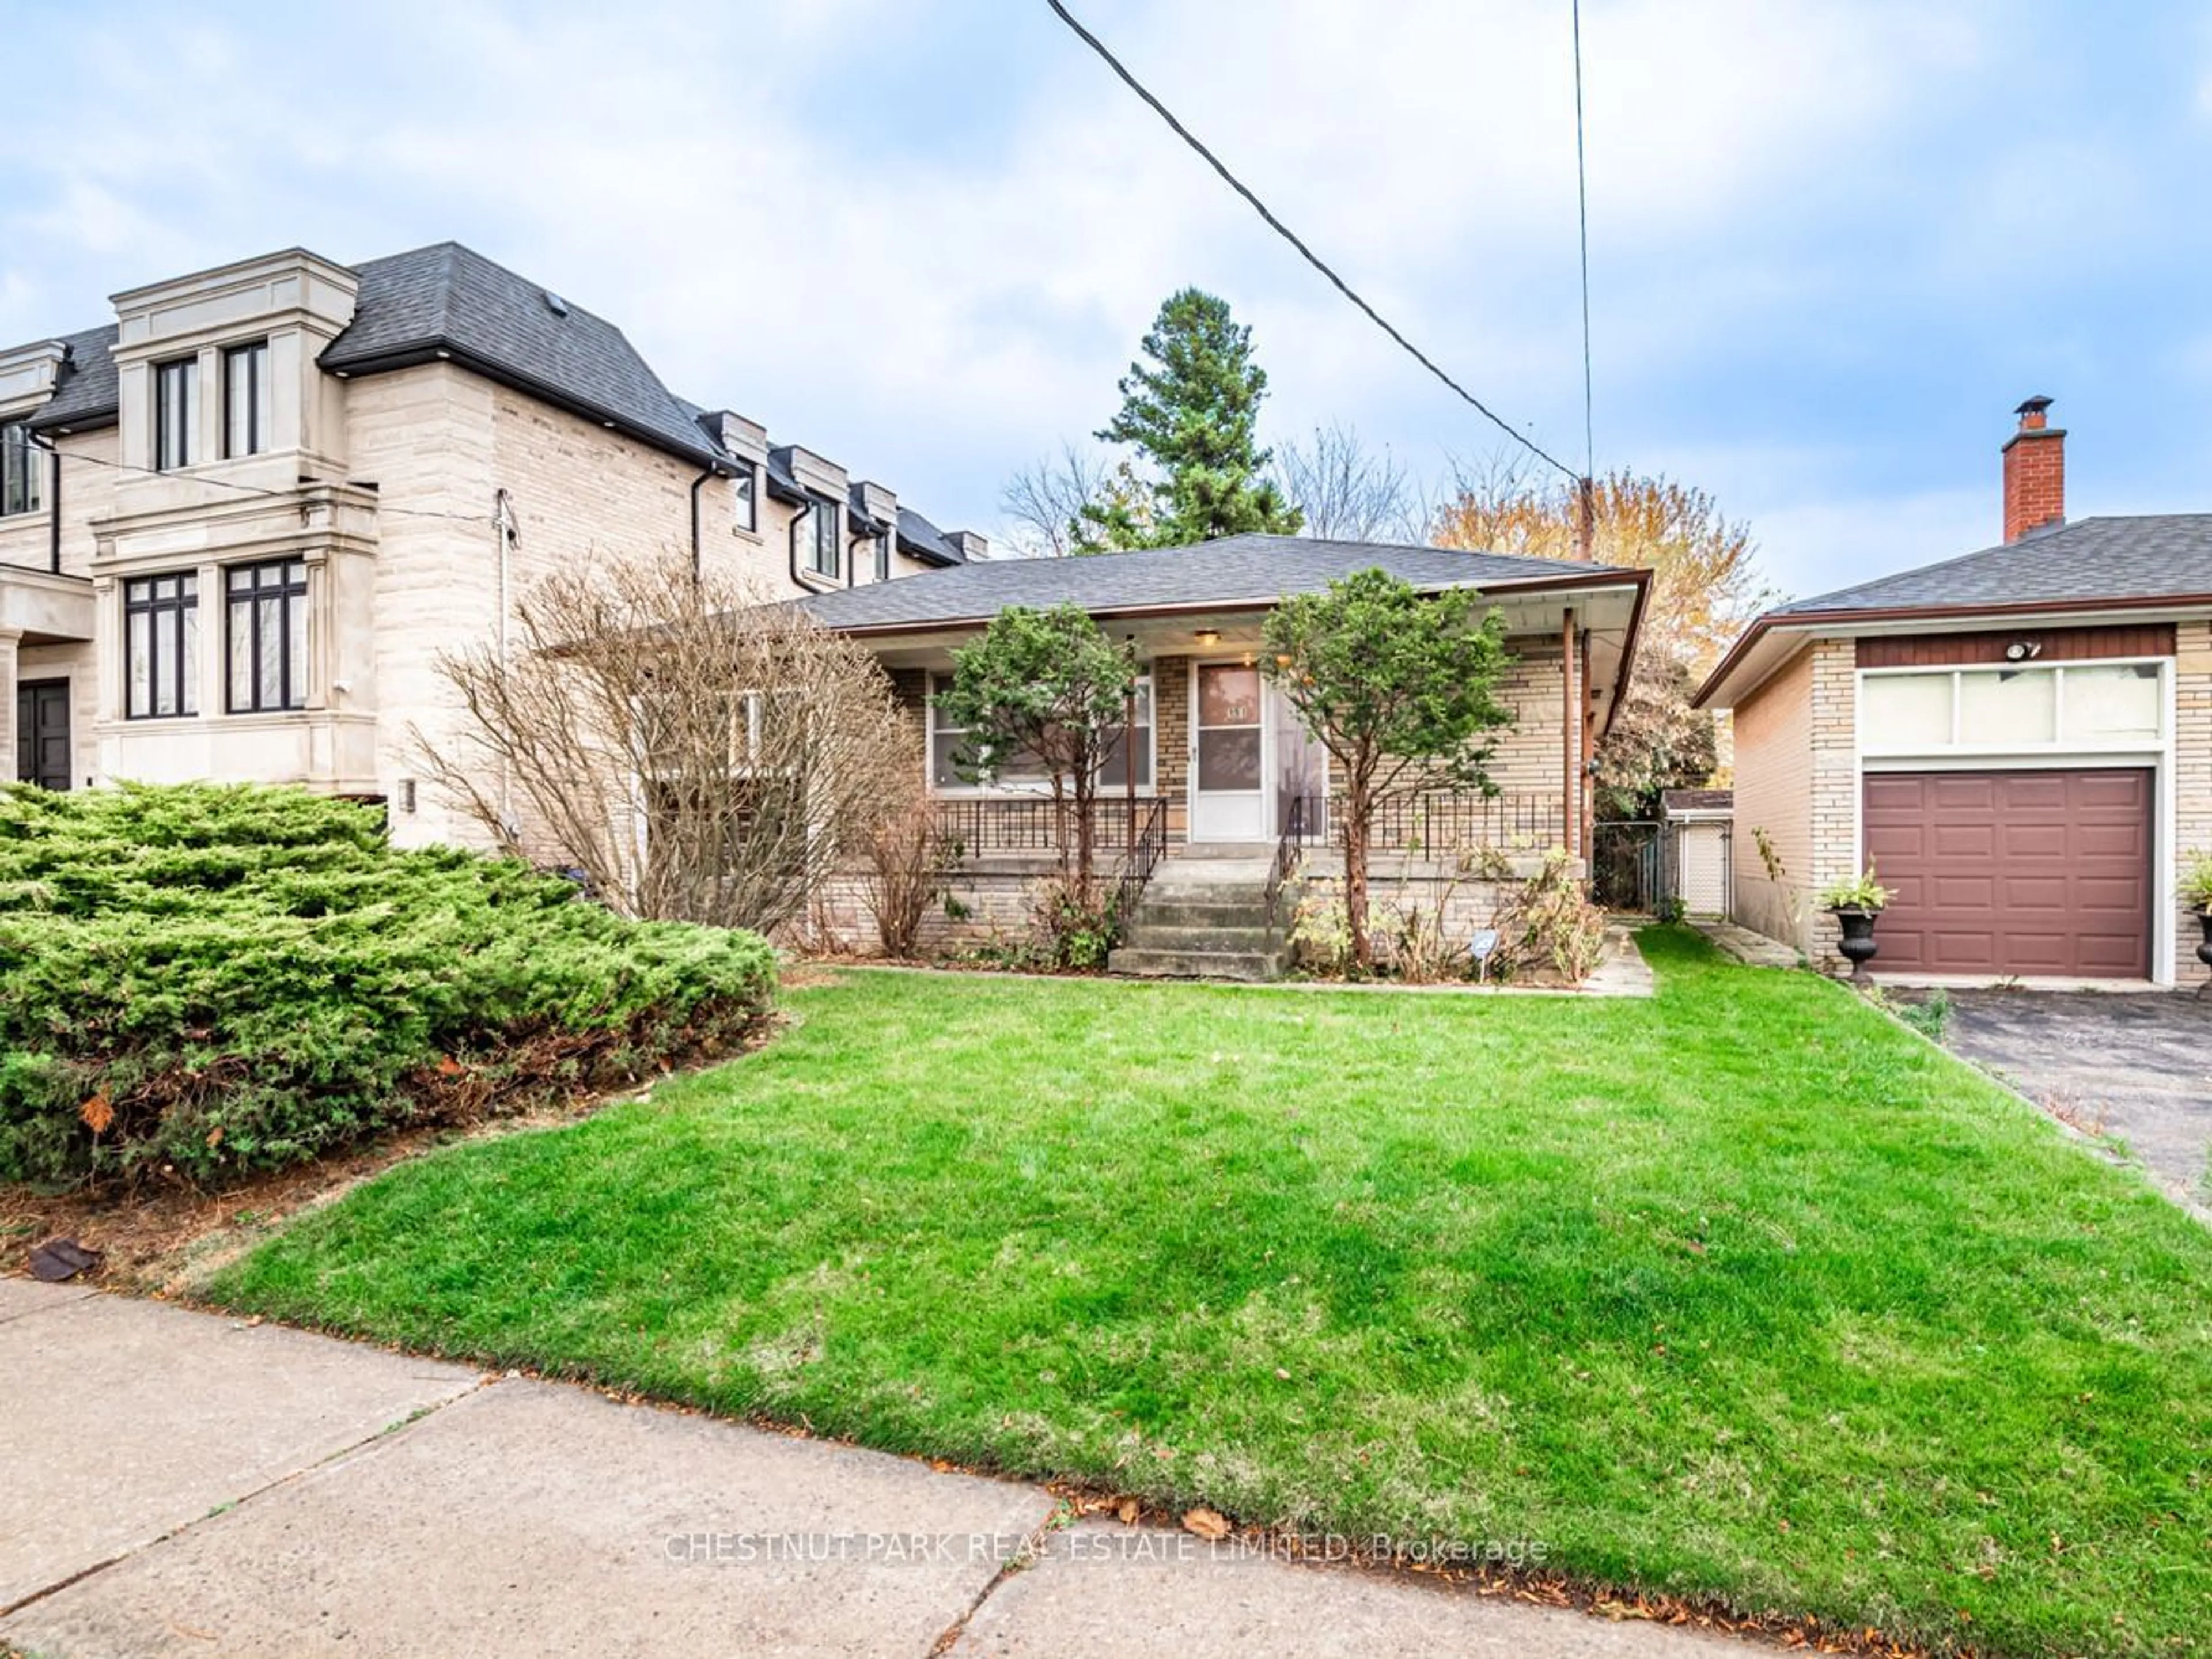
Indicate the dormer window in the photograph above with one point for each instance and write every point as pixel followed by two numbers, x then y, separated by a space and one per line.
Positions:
pixel 22 463
pixel 176 413
pixel 827 546
pixel 245 388
pixel 747 487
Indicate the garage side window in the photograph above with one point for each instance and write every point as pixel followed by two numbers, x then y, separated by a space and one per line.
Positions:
pixel 2066 707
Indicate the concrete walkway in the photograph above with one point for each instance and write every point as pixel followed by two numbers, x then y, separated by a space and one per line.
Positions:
pixel 182 1483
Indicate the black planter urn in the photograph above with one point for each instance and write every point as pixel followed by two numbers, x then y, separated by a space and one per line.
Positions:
pixel 2204 949
pixel 1858 945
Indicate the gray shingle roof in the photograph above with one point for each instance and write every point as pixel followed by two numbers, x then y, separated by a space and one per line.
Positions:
pixel 85 391
pixel 2148 556
pixel 447 298
pixel 917 535
pixel 1232 571
pixel 451 298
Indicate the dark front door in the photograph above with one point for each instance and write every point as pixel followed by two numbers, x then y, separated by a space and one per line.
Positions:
pixel 2014 873
pixel 42 732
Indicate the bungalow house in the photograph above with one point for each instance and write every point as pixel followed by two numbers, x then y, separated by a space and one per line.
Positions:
pixel 2018 741
pixel 1222 783
pixel 241 519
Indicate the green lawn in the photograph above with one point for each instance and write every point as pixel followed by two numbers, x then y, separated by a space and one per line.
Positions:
pixel 1740 1291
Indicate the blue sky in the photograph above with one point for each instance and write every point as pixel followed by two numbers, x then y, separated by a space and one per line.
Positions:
pixel 1832 245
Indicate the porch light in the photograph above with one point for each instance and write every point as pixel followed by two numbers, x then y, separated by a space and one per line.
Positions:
pixel 1208 636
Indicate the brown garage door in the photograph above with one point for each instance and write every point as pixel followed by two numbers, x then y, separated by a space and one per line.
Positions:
pixel 2014 873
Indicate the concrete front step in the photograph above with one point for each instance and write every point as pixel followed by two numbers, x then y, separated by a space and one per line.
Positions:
pixel 1170 911
pixel 1147 963
pixel 1151 935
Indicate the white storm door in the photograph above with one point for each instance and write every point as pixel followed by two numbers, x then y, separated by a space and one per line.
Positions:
pixel 1228 759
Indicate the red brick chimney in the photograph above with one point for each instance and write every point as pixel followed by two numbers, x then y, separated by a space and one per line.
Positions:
pixel 2034 472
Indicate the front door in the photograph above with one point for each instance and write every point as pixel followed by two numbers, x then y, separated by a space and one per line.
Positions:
pixel 1228 761
pixel 42 732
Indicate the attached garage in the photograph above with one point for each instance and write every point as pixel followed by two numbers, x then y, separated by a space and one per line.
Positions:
pixel 2026 872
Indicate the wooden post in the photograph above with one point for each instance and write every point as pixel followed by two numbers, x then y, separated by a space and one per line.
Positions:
pixel 1590 751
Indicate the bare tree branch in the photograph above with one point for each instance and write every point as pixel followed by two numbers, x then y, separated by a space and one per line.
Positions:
pixel 1349 492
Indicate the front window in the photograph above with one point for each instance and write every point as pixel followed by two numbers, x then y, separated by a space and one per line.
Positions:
pixel 824 546
pixel 23 465
pixel 2066 706
pixel 268 629
pixel 246 399
pixel 747 485
pixel 176 412
pixel 884 556
pixel 162 646
pixel 1023 773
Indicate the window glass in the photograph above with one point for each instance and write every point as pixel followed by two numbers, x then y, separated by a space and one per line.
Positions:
pixel 22 466
pixel 823 558
pixel 2111 705
pixel 1905 711
pixel 267 622
pixel 176 412
pixel 2012 706
pixel 747 500
pixel 246 399
pixel 160 633
pixel 1023 771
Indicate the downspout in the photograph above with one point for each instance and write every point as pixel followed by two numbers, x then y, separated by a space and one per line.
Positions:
pixel 53 501
pixel 1570 719
pixel 697 484
pixel 798 518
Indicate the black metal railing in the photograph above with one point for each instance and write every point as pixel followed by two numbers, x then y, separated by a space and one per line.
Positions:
pixel 1444 822
pixel 1143 848
pixel 1302 821
pixel 979 826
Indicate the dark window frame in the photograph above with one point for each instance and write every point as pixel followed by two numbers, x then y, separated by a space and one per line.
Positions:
pixel 289 590
pixel 884 556
pixel 254 355
pixel 826 540
pixel 23 465
pixel 176 440
pixel 141 597
pixel 747 488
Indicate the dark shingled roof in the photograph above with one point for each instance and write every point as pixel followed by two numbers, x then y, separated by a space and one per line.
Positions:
pixel 923 540
pixel 450 298
pixel 2152 556
pixel 1232 571
pixel 85 391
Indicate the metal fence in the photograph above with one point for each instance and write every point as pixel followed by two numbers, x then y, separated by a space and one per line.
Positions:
pixel 1652 867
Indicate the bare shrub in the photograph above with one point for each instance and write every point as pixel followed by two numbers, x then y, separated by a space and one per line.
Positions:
pixel 697 752
pixel 909 856
pixel 1547 924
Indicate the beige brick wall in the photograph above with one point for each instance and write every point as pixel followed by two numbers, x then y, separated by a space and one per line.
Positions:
pixel 2192 773
pixel 1773 729
pixel 1835 768
pixel 87 493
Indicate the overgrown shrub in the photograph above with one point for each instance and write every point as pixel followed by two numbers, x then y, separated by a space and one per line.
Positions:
pixel 1546 924
pixel 909 856
pixel 1070 931
pixel 211 980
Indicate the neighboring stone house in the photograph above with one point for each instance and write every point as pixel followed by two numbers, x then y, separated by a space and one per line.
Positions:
pixel 2019 740
pixel 1224 773
pixel 239 525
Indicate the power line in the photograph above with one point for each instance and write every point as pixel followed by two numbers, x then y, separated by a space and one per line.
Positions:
pixel 292 496
pixel 1291 237
pixel 1581 216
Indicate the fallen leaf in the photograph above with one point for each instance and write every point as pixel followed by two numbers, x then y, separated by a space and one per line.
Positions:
pixel 97 1113
pixel 1206 1524
pixel 1127 1510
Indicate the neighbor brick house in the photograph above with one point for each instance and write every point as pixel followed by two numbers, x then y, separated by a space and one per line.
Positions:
pixel 1222 770
pixel 239 523
pixel 2019 740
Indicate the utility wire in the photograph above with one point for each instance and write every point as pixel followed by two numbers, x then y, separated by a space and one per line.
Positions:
pixel 1307 253
pixel 1582 214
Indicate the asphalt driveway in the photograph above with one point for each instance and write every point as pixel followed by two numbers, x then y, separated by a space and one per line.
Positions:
pixel 2137 1066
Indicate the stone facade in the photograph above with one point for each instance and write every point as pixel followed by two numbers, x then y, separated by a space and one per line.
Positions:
pixel 423 501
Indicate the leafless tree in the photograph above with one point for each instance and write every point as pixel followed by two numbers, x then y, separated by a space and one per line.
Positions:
pixel 1043 502
pixel 698 753
pixel 1349 492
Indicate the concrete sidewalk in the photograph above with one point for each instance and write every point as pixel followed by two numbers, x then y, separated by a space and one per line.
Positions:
pixel 182 1483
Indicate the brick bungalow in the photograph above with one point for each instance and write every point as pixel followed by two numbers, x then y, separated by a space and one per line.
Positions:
pixel 2019 739
pixel 1224 773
